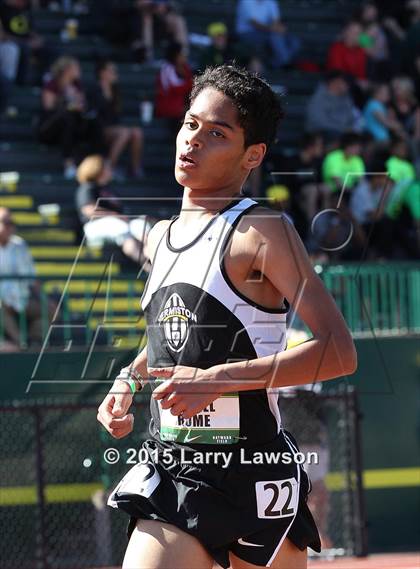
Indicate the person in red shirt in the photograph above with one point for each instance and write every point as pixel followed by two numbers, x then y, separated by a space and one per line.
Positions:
pixel 174 84
pixel 346 54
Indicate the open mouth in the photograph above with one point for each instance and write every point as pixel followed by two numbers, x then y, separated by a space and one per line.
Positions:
pixel 186 159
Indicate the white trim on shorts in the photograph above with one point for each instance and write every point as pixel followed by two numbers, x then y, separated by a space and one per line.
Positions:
pixel 283 537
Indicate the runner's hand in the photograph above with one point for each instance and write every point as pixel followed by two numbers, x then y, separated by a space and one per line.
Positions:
pixel 112 412
pixel 186 391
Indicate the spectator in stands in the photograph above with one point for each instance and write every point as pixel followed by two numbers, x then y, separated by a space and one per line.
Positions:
pixel 405 105
pixel 379 122
pixel 407 111
pixel 374 41
pixel 221 50
pixel 259 25
pixel 161 15
pixel 403 207
pixel 101 212
pixel 367 204
pixel 9 62
pixel 343 167
pixel 65 120
pixel 399 166
pixel 16 20
pixel 119 22
pixel 19 296
pixel 331 109
pixel 395 19
pixel 133 23
pixel 303 180
pixel 347 56
pixel 106 100
pixel 411 42
pixel 9 56
pixel 174 83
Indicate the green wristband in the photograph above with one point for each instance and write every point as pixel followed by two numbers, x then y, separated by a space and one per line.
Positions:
pixel 132 384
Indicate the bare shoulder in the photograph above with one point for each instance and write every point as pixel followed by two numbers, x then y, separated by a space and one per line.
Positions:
pixel 269 236
pixel 263 222
pixel 155 235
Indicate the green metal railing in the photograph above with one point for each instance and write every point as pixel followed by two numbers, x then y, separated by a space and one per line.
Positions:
pixel 376 298
pixel 383 299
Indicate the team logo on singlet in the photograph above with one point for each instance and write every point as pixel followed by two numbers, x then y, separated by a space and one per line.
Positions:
pixel 176 320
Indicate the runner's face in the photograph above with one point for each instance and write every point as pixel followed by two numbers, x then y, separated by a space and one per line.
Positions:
pixel 210 152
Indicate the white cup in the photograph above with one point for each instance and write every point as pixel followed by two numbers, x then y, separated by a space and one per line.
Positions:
pixel 146 112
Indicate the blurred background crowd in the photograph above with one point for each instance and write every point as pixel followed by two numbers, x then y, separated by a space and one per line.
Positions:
pixel 92 93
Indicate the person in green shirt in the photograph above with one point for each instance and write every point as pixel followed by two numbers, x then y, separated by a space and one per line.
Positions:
pixel 403 208
pixel 398 166
pixel 405 194
pixel 344 165
pixel 411 199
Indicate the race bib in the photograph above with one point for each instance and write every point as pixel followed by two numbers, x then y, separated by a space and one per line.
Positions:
pixel 216 424
pixel 277 498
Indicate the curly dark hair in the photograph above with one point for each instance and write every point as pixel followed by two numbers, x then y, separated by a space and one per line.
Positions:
pixel 259 108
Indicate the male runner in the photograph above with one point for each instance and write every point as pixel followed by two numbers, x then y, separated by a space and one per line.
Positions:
pixel 223 275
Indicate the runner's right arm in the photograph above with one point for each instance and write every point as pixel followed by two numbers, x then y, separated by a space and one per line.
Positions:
pixel 113 411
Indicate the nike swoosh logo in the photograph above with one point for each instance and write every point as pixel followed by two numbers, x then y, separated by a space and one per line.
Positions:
pixel 242 542
pixel 189 439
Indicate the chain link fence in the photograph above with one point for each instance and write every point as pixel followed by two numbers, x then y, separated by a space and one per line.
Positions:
pixel 327 425
pixel 55 479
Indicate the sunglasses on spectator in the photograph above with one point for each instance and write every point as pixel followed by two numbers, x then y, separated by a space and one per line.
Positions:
pixel 7 221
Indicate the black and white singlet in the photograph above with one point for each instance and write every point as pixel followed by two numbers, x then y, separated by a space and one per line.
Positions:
pixel 196 317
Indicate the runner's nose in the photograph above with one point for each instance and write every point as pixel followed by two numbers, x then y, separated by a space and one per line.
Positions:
pixel 193 138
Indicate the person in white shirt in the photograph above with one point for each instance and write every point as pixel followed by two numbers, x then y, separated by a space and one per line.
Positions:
pixel 19 295
pixel 259 24
pixel 101 212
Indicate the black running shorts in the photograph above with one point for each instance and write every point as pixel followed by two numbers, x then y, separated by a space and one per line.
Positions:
pixel 246 502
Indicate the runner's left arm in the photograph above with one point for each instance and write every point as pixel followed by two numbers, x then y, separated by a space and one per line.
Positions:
pixel 329 353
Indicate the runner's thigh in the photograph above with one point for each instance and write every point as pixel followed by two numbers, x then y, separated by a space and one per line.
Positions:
pixel 157 545
pixel 288 557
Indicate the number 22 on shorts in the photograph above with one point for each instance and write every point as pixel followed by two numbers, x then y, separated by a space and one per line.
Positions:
pixel 277 498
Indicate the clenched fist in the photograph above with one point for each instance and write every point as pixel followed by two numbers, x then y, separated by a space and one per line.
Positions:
pixel 112 412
